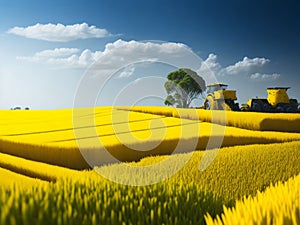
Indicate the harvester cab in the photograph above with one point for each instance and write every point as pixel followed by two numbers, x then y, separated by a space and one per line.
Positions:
pixel 277 101
pixel 219 98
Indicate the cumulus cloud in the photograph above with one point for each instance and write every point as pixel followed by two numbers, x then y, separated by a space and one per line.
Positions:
pixel 122 54
pixel 57 52
pixel 115 55
pixel 66 57
pixel 262 77
pixel 210 67
pixel 59 32
pixel 247 65
pixel 127 72
pixel 46 54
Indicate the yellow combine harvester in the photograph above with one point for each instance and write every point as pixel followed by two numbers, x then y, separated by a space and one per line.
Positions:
pixel 219 98
pixel 277 101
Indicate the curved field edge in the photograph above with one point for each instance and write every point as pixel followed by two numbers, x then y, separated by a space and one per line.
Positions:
pixel 278 204
pixel 282 122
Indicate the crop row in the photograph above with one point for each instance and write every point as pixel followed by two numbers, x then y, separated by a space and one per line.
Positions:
pixel 279 204
pixel 8 178
pixel 89 202
pixel 284 122
pixel 113 149
pixel 233 172
pixel 35 169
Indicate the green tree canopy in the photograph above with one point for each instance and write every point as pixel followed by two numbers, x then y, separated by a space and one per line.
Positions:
pixel 183 86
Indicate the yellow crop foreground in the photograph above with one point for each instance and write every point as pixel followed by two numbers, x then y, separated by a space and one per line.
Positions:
pixel 85 197
pixel 279 204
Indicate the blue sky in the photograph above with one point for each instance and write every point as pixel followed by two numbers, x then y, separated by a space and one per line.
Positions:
pixel 46 47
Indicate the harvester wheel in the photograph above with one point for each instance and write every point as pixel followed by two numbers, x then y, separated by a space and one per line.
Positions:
pixel 209 103
pixel 257 106
pixel 280 108
pixel 266 107
pixel 290 110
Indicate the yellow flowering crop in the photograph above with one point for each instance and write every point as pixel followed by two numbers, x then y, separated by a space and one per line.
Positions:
pixel 278 205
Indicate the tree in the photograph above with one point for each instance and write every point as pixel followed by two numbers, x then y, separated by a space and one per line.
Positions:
pixel 183 86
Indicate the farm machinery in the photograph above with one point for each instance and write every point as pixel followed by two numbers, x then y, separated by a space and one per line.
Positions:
pixel 277 101
pixel 220 98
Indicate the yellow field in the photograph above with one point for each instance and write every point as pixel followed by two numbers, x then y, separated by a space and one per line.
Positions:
pixel 57 137
pixel 226 192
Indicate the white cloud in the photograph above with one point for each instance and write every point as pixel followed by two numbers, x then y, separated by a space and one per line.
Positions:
pixel 115 55
pixel 122 54
pixel 59 32
pixel 66 57
pixel 48 54
pixel 263 77
pixel 127 72
pixel 246 66
pixel 209 67
pixel 211 62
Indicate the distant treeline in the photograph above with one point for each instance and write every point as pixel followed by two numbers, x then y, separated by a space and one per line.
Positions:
pixel 19 108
